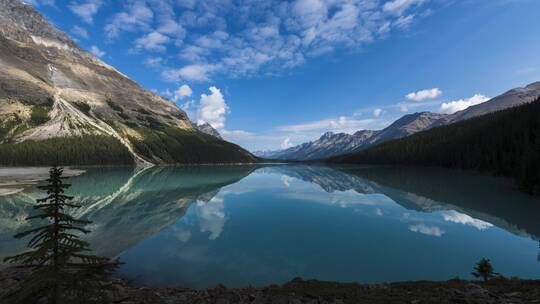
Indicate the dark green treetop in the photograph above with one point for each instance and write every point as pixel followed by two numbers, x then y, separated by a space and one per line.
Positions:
pixel 484 270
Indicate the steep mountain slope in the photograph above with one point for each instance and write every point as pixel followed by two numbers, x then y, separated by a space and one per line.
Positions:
pixel 51 90
pixel 512 98
pixel 405 126
pixel 331 144
pixel 504 143
pixel 208 129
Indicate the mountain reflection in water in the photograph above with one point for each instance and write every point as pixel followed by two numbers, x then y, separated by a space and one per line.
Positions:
pixel 241 225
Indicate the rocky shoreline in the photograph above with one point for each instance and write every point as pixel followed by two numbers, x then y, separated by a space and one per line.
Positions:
pixel 298 291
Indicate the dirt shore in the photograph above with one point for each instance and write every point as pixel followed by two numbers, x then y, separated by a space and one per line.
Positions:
pixel 316 292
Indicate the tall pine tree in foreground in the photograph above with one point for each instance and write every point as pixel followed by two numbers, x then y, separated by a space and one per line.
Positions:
pixel 62 268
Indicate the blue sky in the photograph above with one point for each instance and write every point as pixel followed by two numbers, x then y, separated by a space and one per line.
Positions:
pixel 271 74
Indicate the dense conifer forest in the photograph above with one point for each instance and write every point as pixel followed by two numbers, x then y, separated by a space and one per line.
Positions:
pixel 505 143
pixel 164 146
pixel 84 150
pixel 176 146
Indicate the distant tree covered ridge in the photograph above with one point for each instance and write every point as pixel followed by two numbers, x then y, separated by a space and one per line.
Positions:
pixel 505 143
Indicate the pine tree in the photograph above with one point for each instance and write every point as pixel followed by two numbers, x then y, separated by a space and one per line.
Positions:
pixel 61 267
pixel 484 270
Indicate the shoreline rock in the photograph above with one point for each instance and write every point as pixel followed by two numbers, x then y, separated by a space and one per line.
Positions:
pixel 315 292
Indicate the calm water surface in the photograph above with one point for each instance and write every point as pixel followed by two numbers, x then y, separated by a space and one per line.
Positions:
pixel 199 226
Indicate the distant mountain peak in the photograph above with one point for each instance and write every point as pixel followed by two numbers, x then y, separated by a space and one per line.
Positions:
pixel 208 129
pixel 327 135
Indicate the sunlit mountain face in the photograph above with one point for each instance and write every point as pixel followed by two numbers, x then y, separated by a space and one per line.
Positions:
pixel 242 225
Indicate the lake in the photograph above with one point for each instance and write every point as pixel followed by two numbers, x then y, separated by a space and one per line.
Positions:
pixel 258 225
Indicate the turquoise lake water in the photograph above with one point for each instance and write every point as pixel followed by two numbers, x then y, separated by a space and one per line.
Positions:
pixel 247 225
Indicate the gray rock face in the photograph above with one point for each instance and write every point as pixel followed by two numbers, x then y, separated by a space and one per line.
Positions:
pixel 208 129
pixel 331 144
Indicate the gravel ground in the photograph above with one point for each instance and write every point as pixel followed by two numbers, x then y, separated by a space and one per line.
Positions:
pixel 316 292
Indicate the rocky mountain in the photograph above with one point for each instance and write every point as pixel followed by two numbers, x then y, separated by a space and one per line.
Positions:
pixel 328 144
pixel 54 95
pixel 512 98
pixel 333 144
pixel 208 129
pixel 405 126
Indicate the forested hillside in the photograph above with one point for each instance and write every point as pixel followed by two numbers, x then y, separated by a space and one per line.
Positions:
pixel 503 143
pixel 83 150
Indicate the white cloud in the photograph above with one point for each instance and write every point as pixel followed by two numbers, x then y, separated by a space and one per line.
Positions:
pixel 171 27
pixel 427 230
pixel 310 12
pixel 182 92
pixel 79 31
pixel 377 112
pixel 212 41
pixel 138 16
pixel 403 22
pixel 212 109
pixel 424 94
pixel 211 216
pixel 153 41
pixel 460 218
pixel 153 62
pixel 398 7
pixel 462 104
pixel 286 180
pixel 193 72
pixel 94 50
pixel 86 10
pixel 403 107
pixel 340 124
pixel 281 38
pixel 286 143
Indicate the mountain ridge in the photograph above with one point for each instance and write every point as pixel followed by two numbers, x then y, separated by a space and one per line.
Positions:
pixel 334 144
